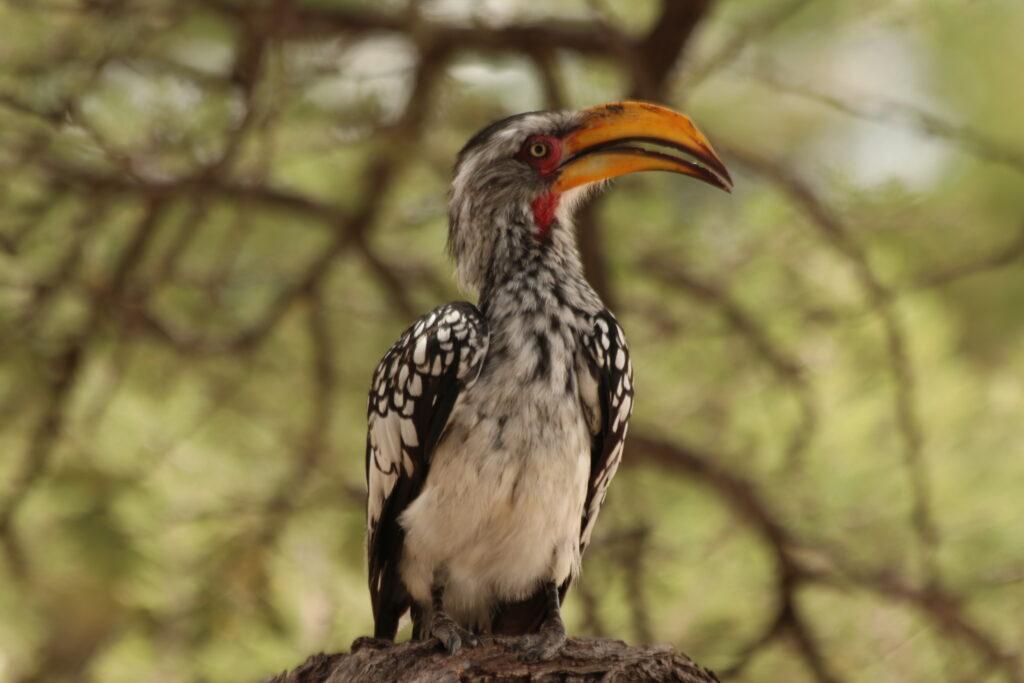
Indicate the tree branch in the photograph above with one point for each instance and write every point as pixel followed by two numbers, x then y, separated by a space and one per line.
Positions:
pixel 583 659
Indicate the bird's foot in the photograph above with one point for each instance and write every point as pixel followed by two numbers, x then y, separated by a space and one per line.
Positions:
pixel 451 635
pixel 546 643
pixel 366 642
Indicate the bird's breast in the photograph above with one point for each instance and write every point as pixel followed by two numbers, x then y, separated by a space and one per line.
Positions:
pixel 501 509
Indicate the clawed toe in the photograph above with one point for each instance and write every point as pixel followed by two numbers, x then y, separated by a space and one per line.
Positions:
pixel 540 653
pixel 450 641
pixel 451 635
pixel 366 642
pixel 542 646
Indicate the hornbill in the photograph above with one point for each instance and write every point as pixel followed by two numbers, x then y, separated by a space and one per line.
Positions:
pixel 495 429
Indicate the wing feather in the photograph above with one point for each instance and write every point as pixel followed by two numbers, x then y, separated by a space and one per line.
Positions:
pixel 608 399
pixel 411 397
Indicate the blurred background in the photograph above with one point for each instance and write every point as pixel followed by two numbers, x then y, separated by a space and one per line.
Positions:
pixel 215 216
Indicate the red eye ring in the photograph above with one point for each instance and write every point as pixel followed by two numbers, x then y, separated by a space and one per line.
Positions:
pixel 543 152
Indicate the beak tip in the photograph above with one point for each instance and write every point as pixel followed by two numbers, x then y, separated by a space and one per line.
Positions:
pixel 607 128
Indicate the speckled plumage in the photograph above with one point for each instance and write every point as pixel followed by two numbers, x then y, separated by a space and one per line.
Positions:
pixel 495 431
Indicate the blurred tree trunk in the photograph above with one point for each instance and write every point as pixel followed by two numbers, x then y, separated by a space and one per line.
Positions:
pixel 583 659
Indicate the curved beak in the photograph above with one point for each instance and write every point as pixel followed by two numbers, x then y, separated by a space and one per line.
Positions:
pixel 605 146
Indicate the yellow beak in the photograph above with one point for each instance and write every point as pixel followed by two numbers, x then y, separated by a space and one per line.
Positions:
pixel 600 148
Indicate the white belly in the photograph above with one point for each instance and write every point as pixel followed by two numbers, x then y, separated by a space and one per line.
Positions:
pixel 499 514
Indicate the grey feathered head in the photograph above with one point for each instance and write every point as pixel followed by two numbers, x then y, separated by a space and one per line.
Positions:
pixel 520 178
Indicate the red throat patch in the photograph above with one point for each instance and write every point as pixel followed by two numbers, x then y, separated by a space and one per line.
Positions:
pixel 544 208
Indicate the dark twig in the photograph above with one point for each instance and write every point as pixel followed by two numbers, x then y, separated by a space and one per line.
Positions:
pixel 834 232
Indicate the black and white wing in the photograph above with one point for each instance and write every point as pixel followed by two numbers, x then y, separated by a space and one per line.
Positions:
pixel 413 391
pixel 608 397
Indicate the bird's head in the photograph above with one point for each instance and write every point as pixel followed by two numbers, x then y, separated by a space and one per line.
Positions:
pixel 518 180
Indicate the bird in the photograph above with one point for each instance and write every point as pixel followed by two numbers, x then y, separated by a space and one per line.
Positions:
pixel 495 428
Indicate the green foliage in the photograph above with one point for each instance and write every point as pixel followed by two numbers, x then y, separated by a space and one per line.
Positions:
pixel 190 311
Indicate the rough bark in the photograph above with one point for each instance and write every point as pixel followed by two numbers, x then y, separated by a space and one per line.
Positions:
pixel 497 659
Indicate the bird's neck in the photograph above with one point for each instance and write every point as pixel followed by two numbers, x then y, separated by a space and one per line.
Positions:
pixel 535 271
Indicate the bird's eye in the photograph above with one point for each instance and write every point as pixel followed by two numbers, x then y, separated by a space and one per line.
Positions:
pixel 539 150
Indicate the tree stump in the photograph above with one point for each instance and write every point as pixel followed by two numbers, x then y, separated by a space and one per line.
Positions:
pixel 497 659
